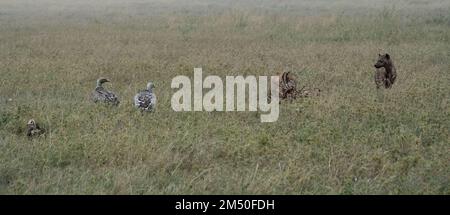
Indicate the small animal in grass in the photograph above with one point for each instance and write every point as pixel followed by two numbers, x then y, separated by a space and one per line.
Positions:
pixel 146 99
pixel 100 94
pixel 33 129
pixel 385 73
pixel 288 86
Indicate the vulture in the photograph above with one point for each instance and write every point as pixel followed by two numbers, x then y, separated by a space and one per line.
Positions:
pixel 100 94
pixel 33 129
pixel 146 99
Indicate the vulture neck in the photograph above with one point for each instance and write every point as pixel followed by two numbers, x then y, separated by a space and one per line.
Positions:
pixel 99 85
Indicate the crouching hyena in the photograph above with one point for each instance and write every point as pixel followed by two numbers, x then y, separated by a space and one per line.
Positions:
pixel 385 73
pixel 288 90
pixel 288 86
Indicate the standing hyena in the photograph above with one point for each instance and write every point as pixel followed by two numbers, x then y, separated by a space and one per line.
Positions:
pixel 385 73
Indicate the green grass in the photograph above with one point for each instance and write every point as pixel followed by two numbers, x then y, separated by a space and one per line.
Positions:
pixel 352 139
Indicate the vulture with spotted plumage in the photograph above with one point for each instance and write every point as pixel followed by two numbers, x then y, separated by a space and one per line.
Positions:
pixel 146 99
pixel 100 94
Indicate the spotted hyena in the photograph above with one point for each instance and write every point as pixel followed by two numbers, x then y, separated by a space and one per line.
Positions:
pixel 288 86
pixel 385 74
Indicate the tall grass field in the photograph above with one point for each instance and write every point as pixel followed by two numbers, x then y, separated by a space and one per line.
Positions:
pixel 352 139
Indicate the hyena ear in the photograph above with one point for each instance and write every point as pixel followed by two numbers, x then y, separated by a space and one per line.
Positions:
pixel 379 55
pixel 387 56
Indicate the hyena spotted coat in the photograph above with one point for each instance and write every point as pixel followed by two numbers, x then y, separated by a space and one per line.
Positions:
pixel 288 86
pixel 288 89
pixel 385 73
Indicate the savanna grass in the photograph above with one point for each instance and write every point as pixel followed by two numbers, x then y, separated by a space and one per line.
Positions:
pixel 353 139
